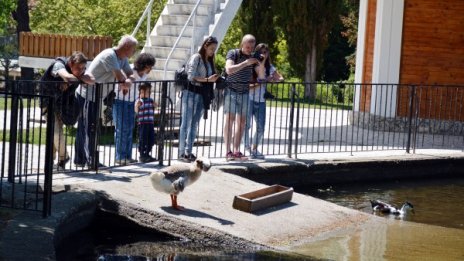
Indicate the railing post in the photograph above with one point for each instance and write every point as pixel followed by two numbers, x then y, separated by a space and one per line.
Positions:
pixel 411 107
pixel 13 132
pixel 95 127
pixel 290 125
pixel 47 201
pixel 297 124
pixel 163 118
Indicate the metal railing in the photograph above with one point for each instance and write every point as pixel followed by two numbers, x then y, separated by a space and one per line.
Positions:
pixel 26 151
pixel 146 13
pixel 340 117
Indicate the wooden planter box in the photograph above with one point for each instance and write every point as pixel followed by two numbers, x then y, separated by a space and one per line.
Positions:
pixel 263 198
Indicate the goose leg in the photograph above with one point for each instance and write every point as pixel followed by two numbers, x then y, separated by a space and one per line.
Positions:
pixel 174 203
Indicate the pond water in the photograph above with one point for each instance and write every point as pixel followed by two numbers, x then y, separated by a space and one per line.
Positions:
pixel 436 202
pixel 114 238
pixel 436 230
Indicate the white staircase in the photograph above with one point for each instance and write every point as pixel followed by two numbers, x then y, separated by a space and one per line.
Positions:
pixel 212 17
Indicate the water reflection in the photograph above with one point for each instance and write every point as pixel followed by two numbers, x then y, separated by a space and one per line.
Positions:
pixel 389 240
pixel 437 235
pixel 436 202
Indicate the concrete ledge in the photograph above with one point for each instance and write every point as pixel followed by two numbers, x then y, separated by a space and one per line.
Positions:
pixel 299 173
pixel 30 237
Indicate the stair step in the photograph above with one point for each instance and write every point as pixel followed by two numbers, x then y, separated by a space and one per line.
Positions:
pixel 163 52
pixel 159 74
pixel 186 9
pixel 201 20
pixel 172 30
pixel 168 41
pixel 193 2
pixel 173 64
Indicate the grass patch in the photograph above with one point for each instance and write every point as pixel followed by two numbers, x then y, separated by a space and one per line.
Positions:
pixel 326 95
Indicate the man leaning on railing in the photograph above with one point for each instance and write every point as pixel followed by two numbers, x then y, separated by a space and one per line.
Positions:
pixel 110 65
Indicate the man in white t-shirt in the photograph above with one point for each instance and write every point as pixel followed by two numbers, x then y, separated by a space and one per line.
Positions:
pixel 108 67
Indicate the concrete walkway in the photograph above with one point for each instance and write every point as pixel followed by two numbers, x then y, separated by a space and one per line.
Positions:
pixel 209 214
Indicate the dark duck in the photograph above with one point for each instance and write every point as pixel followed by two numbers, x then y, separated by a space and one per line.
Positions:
pixel 173 179
pixel 385 208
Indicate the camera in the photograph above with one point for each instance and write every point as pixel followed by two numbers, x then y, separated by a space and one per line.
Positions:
pixel 258 56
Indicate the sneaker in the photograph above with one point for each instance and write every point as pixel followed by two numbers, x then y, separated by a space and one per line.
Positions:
pixel 238 155
pixel 229 156
pixel 121 162
pixel 255 154
pixel 146 159
pixel 130 161
pixel 58 167
pixel 184 158
pixel 80 165
pixel 191 157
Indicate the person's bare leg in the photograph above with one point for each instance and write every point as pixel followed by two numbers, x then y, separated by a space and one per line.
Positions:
pixel 228 130
pixel 240 127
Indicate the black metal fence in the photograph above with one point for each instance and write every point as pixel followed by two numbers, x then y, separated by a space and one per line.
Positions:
pixel 301 119
pixel 26 151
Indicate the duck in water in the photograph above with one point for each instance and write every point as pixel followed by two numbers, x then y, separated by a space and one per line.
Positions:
pixel 385 208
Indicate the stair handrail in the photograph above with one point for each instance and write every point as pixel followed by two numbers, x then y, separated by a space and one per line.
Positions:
pixel 194 11
pixel 147 13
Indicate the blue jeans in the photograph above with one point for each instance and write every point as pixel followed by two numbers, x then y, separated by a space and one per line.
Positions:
pixel 192 109
pixel 124 122
pixel 256 111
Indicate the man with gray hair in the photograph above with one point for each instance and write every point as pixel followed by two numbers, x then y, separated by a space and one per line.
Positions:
pixel 108 67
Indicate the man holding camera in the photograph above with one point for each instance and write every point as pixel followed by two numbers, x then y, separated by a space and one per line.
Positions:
pixel 239 69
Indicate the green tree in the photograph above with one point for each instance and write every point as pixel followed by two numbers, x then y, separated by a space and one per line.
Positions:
pixel 92 17
pixel 6 7
pixel 350 23
pixel 306 24
pixel 256 16
pixel 339 57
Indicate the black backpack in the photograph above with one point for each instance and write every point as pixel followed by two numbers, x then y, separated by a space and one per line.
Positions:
pixel 66 104
pixel 181 78
pixel 181 81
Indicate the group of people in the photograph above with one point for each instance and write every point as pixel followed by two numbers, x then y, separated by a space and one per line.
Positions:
pixel 110 71
pixel 248 70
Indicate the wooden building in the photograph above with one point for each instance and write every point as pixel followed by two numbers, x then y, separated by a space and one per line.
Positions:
pixel 404 43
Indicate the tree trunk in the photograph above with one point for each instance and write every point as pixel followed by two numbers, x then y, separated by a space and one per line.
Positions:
pixel 311 71
pixel 21 15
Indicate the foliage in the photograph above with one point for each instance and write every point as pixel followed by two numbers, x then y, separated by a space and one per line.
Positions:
pixel 305 21
pixel 328 95
pixel 231 40
pixel 256 16
pixel 6 20
pixel 350 23
pixel 334 65
pixel 113 18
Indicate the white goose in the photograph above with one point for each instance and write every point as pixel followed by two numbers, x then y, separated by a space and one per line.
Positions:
pixel 173 179
pixel 385 208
